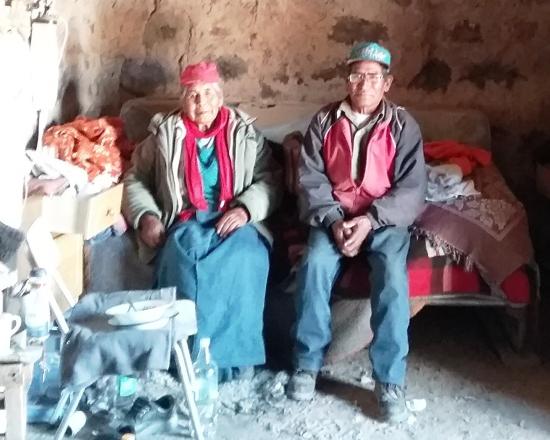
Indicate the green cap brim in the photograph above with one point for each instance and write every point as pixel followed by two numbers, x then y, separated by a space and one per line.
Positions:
pixel 354 60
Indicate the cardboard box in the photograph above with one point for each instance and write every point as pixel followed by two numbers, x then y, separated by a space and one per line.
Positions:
pixel 66 214
pixel 70 267
pixel 65 253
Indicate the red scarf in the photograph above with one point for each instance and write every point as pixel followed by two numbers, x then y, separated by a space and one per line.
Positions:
pixel 192 174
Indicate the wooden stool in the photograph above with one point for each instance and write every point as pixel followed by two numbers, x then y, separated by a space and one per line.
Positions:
pixel 16 375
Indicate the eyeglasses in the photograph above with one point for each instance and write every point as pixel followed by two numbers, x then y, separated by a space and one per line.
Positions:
pixel 371 78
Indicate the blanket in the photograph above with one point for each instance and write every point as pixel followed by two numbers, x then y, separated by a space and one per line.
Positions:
pixel 467 157
pixel 490 231
pixel 226 278
pixel 446 182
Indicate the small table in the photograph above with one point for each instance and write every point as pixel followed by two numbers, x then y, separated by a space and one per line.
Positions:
pixel 16 375
pixel 101 336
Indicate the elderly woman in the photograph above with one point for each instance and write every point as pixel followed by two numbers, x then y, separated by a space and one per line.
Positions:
pixel 199 188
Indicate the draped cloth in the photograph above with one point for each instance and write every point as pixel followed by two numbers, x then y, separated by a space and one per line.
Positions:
pixel 226 277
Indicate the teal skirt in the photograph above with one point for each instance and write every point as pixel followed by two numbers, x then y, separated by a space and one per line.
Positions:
pixel 226 277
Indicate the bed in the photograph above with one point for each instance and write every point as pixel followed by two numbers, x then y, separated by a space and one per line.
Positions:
pixel 487 255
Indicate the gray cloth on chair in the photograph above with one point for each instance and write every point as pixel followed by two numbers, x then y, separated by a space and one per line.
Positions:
pixel 94 348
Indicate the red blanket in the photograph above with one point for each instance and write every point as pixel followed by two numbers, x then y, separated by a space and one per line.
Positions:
pixel 467 157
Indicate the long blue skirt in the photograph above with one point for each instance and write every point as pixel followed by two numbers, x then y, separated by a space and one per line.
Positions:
pixel 227 280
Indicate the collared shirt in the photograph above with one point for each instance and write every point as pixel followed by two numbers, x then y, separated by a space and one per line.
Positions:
pixel 361 126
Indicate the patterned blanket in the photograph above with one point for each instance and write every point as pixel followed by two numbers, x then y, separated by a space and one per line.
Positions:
pixel 490 231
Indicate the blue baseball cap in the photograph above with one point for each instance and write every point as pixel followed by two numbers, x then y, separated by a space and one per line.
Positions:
pixel 370 51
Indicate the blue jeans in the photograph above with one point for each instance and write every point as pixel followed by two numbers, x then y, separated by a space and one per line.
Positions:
pixel 386 252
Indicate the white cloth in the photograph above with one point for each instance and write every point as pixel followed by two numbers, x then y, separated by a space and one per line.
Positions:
pixel 446 182
pixel 44 164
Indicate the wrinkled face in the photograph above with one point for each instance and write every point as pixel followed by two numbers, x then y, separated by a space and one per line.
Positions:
pixel 201 102
pixel 367 84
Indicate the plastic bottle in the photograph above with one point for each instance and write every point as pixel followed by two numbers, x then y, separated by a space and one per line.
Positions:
pixel 206 392
pixel 36 307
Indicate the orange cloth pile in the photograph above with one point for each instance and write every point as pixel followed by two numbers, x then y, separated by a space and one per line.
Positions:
pixel 97 145
pixel 467 157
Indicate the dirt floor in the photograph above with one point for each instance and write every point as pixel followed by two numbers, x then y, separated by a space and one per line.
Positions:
pixel 469 393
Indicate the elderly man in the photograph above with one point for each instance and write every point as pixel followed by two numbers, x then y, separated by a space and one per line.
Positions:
pixel 199 188
pixel 362 181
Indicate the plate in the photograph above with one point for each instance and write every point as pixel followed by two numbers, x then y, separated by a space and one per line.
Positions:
pixel 145 311
pixel 154 325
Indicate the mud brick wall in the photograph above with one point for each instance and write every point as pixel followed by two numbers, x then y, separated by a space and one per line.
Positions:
pixel 486 54
pixel 492 55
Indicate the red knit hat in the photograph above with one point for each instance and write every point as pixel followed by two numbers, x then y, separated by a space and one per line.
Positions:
pixel 204 72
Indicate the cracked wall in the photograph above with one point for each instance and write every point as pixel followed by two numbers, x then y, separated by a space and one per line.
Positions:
pixel 487 55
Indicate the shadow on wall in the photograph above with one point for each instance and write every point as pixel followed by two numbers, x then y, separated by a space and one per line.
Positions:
pixel 153 66
pixel 70 106
pixel 105 61
pixel 68 109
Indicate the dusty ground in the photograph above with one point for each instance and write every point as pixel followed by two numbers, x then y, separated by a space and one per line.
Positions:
pixel 470 394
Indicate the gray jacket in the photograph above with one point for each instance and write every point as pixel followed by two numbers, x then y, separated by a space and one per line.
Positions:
pixel 399 206
pixel 153 183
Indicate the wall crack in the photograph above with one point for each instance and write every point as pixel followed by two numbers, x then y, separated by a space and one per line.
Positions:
pixel 156 5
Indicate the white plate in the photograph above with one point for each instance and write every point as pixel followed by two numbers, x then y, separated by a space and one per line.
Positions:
pixel 159 323
pixel 146 311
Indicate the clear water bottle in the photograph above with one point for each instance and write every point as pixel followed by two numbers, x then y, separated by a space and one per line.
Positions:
pixel 36 306
pixel 206 392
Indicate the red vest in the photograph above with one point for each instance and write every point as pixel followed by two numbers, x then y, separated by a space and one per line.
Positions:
pixel 377 165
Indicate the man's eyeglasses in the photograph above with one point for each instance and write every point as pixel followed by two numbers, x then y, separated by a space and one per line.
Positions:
pixel 371 78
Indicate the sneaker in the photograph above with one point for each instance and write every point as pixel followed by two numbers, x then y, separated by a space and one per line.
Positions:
pixel 301 385
pixel 391 401
pixel 147 418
